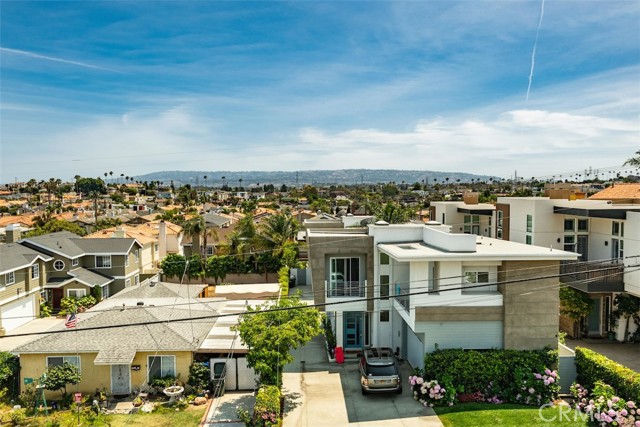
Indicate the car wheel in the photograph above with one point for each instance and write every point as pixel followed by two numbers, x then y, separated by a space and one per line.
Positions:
pixel 399 391
pixel 364 392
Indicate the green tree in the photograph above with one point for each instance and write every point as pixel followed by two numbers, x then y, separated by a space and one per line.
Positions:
pixel 271 335
pixel 60 375
pixel 54 225
pixel 320 205
pixel 88 185
pixel 199 376
pixel 575 305
pixel 633 161
pixel 392 212
pixel 173 265
pixel 276 230
pixel 9 368
pixel 196 227
pixel 248 206
pixel 217 267
pixel 627 306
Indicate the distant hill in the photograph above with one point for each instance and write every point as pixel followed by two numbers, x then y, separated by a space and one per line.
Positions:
pixel 314 177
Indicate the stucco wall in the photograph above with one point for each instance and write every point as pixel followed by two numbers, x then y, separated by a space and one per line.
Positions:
pixel 531 304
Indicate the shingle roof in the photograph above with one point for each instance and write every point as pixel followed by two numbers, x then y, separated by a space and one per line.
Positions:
pixel 215 219
pixel 60 242
pixel 171 335
pixel 89 277
pixel 14 256
pixel 619 191
pixel 106 246
pixel 160 290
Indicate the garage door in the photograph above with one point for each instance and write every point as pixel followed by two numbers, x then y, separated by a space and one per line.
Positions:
pixel 470 335
pixel 17 313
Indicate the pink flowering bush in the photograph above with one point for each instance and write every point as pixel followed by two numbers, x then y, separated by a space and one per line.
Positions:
pixel 432 393
pixel 604 407
pixel 538 388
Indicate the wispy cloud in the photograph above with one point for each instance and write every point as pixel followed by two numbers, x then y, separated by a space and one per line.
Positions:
pixel 51 58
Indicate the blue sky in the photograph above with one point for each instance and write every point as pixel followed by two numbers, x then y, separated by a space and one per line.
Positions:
pixel 136 87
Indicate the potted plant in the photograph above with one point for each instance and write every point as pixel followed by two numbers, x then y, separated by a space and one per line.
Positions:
pixel 611 332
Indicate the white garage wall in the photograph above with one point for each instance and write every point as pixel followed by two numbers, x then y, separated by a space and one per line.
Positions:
pixel 471 335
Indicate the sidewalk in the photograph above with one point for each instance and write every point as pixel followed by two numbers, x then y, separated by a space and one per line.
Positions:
pixel 224 409
pixel 626 354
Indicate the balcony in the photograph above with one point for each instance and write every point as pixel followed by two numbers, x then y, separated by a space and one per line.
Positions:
pixel 401 294
pixel 593 277
pixel 340 289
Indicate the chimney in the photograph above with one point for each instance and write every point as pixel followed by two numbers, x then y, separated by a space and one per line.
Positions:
pixel 119 233
pixel 471 198
pixel 162 240
pixel 14 233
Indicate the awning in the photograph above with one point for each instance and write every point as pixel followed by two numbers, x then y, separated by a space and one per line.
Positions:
pixel 115 356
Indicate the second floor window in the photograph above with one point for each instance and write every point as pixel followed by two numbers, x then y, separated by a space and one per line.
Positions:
pixel 103 261
pixel 529 223
pixel 478 281
pixel 10 278
pixel 35 271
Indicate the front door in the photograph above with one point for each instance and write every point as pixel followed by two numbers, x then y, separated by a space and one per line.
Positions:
pixel 353 328
pixel 57 296
pixel 120 379
pixel 593 320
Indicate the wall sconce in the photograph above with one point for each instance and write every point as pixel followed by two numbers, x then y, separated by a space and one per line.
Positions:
pixel 558 240
pixel 18 291
pixel 606 243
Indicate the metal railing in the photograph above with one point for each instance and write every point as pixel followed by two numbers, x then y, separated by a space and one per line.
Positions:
pixel 401 294
pixel 609 272
pixel 339 289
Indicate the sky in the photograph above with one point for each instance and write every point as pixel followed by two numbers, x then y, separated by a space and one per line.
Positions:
pixel 485 87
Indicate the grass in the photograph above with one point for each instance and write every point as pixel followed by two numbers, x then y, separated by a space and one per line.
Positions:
pixel 489 415
pixel 165 418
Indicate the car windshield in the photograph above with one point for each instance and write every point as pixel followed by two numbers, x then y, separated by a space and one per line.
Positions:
pixel 381 371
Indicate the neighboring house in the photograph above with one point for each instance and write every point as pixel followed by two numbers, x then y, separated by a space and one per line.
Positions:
pixel 620 194
pixel 149 252
pixel 419 287
pixel 126 358
pixel 466 217
pixel 23 274
pixel 604 234
pixel 78 265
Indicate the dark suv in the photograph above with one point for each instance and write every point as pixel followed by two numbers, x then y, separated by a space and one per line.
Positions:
pixel 379 371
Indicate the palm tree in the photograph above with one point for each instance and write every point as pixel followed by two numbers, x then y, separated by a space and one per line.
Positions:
pixel 121 175
pixel 633 161
pixel 94 196
pixel 196 227
pixel 77 177
pixel 111 174
pixel 277 230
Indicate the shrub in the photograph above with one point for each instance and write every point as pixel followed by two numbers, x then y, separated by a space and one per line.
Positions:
pixel 267 407
pixel 199 376
pixel 19 417
pixel 607 409
pixel 473 371
pixel 27 398
pixel 592 367
pixel 9 368
pixel 538 388
pixel 431 393
pixel 59 376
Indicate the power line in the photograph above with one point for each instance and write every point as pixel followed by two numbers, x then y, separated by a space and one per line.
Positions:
pixel 315 305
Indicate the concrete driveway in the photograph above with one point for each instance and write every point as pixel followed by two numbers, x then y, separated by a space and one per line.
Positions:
pixel 319 393
pixel 626 354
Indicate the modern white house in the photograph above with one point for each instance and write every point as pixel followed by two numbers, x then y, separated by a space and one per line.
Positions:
pixel 606 235
pixel 420 287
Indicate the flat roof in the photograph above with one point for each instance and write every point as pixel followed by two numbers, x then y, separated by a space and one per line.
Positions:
pixel 608 212
pixel 487 249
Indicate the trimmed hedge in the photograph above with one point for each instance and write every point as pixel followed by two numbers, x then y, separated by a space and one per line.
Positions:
pixel 592 366
pixel 474 370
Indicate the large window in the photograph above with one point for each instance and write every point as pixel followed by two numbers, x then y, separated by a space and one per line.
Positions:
pixel 35 271
pixel 472 224
pixel 76 293
pixel 478 282
pixel 344 278
pixel 529 223
pixel 161 366
pixel 570 243
pixel 528 240
pixel 103 261
pixel 59 360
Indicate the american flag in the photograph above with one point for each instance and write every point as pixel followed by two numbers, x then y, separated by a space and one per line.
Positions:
pixel 71 320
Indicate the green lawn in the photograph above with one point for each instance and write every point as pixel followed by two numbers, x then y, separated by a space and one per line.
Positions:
pixel 489 415
pixel 188 418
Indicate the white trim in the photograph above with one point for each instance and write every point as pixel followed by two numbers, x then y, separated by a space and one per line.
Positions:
pixel 77 289
pixel 95 262
pixel 17 297
pixel 26 265
pixel 133 273
pixel 35 268
pixel 58 261
pixel 6 280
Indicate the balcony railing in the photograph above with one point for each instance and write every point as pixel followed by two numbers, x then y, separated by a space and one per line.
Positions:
pixel 340 289
pixel 592 276
pixel 401 293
